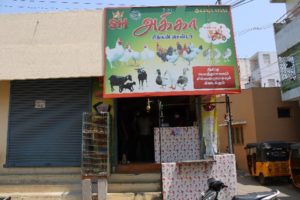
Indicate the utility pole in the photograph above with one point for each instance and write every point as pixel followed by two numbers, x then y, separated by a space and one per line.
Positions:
pixel 228 112
pixel 229 123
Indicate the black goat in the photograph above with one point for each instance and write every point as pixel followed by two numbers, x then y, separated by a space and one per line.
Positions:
pixel 128 85
pixel 142 76
pixel 118 81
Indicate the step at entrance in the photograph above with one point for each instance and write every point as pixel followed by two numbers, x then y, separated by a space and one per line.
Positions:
pixel 144 186
pixel 140 168
pixel 41 186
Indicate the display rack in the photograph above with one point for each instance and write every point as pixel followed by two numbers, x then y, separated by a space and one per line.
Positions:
pixel 95 145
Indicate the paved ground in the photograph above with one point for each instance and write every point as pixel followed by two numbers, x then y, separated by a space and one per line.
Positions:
pixel 247 184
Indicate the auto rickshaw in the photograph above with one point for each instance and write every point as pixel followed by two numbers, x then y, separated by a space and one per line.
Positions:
pixel 295 164
pixel 268 160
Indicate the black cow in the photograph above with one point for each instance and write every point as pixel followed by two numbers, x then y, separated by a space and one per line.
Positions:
pixel 118 81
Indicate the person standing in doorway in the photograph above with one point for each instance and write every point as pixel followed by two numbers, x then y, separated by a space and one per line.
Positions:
pixel 144 125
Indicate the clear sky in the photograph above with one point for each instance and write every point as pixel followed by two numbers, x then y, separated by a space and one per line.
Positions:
pixel 257 14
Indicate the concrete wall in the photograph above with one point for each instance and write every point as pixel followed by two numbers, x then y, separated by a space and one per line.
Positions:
pixel 258 107
pixel 51 45
pixel 288 36
pixel 290 4
pixel 268 125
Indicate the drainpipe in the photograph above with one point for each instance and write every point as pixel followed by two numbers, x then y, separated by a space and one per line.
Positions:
pixel 229 123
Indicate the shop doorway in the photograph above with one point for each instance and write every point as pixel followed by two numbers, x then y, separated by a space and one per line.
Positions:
pixel 135 142
pixel 135 130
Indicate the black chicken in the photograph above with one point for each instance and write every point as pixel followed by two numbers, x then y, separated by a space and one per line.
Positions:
pixel 162 53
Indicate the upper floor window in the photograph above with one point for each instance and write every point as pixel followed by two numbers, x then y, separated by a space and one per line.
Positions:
pixel 238 135
pixel 266 58
pixel 283 112
pixel 271 83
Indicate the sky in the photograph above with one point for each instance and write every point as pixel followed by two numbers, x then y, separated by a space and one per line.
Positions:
pixel 252 22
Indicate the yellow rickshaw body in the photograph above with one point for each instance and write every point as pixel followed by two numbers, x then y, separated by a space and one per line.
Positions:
pixel 294 164
pixel 268 159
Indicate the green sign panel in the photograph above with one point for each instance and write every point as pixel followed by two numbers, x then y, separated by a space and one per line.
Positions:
pixel 163 51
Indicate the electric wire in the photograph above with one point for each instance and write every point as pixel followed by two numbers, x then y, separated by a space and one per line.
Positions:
pixel 256 28
pixel 235 6
pixel 227 2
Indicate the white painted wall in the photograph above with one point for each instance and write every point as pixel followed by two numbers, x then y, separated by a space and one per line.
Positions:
pixel 245 71
pixel 264 71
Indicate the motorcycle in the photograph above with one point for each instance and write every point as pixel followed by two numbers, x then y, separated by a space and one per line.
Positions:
pixel 215 186
pixel 5 198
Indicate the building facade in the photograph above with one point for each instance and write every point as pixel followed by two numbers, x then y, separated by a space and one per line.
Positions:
pixel 287 39
pixel 258 115
pixel 263 70
pixel 245 71
pixel 51 73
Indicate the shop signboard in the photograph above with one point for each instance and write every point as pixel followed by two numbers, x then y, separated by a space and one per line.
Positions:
pixel 165 51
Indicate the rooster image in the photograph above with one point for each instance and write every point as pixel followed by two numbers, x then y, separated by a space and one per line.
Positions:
pixel 179 48
pixel 162 53
pixel 173 58
pixel 114 54
pixel 190 52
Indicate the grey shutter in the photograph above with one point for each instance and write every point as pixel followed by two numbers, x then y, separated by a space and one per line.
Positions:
pixel 49 136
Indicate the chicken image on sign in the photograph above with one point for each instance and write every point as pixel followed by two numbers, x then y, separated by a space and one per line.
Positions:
pixel 165 51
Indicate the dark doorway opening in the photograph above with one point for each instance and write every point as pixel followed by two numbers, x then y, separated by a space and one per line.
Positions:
pixel 135 143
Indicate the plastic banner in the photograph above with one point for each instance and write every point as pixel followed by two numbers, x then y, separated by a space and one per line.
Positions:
pixel 163 51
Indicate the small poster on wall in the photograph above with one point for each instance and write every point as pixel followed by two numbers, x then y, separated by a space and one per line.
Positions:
pixel 174 50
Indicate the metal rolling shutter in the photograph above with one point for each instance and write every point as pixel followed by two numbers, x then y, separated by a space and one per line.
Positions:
pixel 49 136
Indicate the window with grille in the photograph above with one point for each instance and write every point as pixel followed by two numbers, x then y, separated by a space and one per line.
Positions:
pixel 238 135
pixel 271 83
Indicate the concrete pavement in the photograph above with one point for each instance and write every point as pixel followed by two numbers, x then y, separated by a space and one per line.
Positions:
pixel 248 184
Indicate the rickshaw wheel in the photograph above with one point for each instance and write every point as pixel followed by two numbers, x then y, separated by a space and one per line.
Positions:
pixel 262 179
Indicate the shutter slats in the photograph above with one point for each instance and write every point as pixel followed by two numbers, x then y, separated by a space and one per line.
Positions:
pixel 50 136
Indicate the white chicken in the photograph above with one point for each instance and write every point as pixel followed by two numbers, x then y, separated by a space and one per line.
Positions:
pixel 226 55
pixel 135 55
pixel 114 54
pixel 147 54
pixel 212 54
pixel 126 55
pixel 171 80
